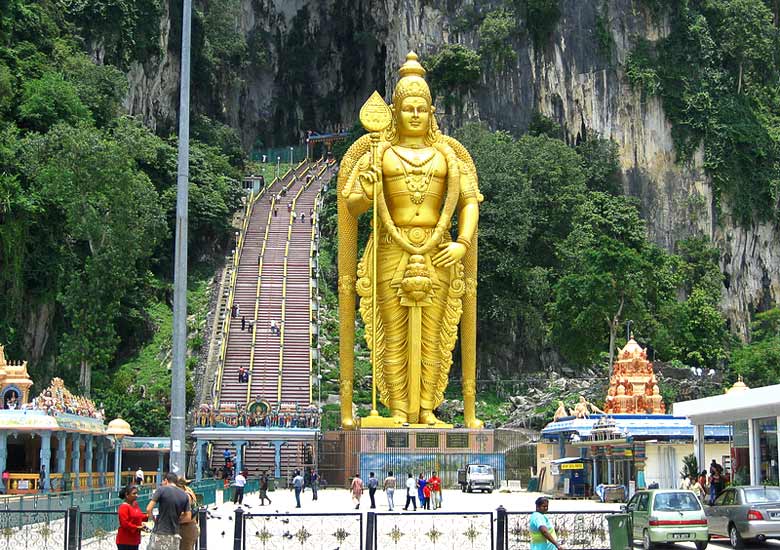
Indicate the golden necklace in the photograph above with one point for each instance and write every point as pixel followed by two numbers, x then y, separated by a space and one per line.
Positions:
pixel 419 180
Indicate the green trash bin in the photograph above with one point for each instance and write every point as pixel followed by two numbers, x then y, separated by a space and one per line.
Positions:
pixel 271 484
pixel 619 531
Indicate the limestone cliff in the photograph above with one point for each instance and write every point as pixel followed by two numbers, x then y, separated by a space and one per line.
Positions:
pixel 323 58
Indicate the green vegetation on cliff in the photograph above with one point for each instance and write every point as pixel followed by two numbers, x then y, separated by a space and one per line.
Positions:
pixel 87 196
pixel 717 73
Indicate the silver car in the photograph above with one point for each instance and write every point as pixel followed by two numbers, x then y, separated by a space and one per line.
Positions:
pixel 746 514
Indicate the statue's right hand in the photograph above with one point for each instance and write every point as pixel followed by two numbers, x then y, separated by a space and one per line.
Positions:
pixel 368 179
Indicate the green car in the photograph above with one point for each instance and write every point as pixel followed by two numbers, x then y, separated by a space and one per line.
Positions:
pixel 665 516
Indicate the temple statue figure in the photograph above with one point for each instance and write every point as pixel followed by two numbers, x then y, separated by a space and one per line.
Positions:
pixel 584 407
pixel 416 284
pixel 560 412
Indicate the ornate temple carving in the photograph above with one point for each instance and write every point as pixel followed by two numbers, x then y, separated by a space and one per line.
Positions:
pixel 633 387
pixel 14 382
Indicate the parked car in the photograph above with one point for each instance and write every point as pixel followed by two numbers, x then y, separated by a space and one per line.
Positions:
pixel 665 516
pixel 477 477
pixel 745 514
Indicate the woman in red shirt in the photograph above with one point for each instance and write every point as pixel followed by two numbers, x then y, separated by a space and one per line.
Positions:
pixel 128 537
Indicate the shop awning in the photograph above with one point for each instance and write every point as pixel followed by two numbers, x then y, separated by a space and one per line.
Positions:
pixel 749 403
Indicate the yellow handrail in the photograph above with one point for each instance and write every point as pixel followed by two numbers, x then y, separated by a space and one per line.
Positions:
pixel 217 391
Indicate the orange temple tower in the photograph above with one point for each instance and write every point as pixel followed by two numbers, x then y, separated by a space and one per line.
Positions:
pixel 633 387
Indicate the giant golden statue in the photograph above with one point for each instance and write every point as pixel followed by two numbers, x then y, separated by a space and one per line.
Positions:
pixel 413 179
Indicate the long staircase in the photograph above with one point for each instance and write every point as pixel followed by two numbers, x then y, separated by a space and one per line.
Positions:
pixel 272 281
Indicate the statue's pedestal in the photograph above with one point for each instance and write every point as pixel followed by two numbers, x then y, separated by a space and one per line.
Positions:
pixel 389 423
pixel 425 449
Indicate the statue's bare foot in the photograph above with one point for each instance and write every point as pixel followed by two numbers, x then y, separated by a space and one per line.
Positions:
pixel 473 422
pixel 427 417
pixel 348 423
pixel 399 416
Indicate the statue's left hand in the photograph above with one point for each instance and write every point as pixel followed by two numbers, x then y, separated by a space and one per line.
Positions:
pixel 450 253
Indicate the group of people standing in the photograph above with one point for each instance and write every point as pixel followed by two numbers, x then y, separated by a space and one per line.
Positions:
pixel 300 481
pixel 427 490
pixel 706 485
pixel 175 526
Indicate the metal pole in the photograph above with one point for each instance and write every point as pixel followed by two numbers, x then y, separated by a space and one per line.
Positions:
pixel 117 463
pixel 178 374
pixel 291 154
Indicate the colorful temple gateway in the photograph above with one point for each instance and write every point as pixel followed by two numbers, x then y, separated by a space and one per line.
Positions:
pixel 56 441
pixel 628 444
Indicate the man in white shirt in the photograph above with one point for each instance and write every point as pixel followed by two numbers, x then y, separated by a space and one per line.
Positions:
pixel 411 492
pixel 240 482
pixel 139 476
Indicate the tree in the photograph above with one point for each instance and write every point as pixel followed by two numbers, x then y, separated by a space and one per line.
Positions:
pixel 49 100
pixel 110 219
pixel 453 71
pixel 606 277
pixel 495 38
pixel 758 362
pixel 691 327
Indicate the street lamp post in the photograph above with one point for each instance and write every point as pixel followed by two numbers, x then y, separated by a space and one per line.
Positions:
pixel 291 155
pixel 118 428
pixel 278 160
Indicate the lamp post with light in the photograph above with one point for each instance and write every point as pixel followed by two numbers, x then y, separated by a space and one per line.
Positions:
pixel 118 429
pixel 278 160
pixel 291 155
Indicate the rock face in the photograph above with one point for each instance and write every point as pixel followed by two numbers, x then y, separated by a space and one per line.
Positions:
pixel 324 57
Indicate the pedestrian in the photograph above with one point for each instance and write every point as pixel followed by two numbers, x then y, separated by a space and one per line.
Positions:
pixel 357 490
pixel 233 311
pixel 542 530
pixel 264 489
pixel 188 528
pixel 243 323
pixel 427 495
pixel 273 327
pixel 42 479
pixel 303 216
pixel 311 212
pixel 373 483
pixel 703 481
pixel 298 486
pixel 226 456
pixel 259 258
pixel 276 211
pixel 139 476
pixel 389 487
pixel 315 484
pixel 435 483
pixel 289 207
pixel 421 483
pixel 696 487
pixel 131 518
pixel 239 483
pixel 238 310
pixel 241 371
pixel 411 492
pixel 174 506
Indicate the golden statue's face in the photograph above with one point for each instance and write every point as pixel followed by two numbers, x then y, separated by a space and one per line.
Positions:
pixel 413 120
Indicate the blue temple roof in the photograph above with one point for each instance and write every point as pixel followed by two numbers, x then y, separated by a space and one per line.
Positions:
pixel 643 426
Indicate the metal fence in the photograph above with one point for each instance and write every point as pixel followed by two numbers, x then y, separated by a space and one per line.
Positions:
pixel 34 529
pixel 76 529
pixel 582 530
pixel 288 531
pixel 453 530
